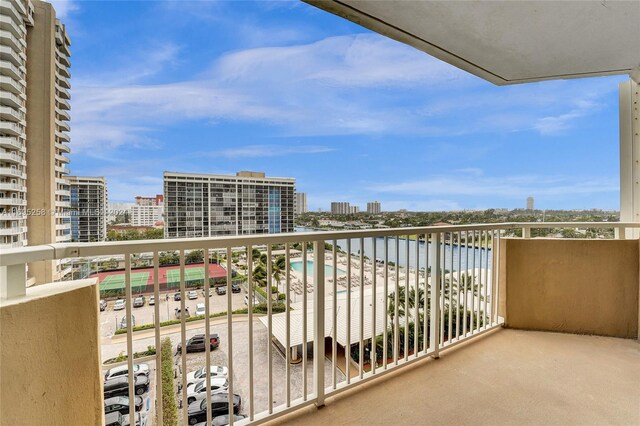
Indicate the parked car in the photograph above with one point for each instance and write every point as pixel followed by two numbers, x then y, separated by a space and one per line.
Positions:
pixel 119 305
pixel 186 313
pixel 224 419
pixel 103 305
pixel 123 321
pixel 120 386
pixel 211 291
pixel 200 310
pixel 221 290
pixel 198 390
pixel 138 302
pixel 196 343
pixel 235 288
pixel 201 373
pixel 121 404
pixel 123 370
pixel 192 294
pixel 197 410
pixel 176 296
pixel 152 300
pixel 115 418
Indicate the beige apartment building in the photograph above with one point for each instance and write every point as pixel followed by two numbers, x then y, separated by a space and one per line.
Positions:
pixel 34 83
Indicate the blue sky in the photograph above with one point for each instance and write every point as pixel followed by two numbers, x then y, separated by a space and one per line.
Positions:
pixel 282 87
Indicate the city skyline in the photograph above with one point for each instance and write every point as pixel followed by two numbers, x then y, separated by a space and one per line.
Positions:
pixel 397 125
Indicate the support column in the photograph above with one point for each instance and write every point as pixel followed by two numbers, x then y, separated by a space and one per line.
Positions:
pixel 630 154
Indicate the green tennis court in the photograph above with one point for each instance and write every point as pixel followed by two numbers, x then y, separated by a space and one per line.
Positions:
pixel 116 282
pixel 190 274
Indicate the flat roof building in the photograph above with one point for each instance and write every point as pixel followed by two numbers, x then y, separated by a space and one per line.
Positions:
pixel 88 208
pixel 205 205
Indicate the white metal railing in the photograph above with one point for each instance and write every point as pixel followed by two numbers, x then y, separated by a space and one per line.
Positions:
pixel 381 299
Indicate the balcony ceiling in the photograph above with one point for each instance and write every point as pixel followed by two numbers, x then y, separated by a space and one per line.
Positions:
pixel 509 42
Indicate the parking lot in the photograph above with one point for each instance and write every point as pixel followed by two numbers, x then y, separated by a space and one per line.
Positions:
pixel 110 319
pixel 240 353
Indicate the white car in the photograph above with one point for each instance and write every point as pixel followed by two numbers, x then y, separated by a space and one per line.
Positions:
pixel 198 390
pixel 192 294
pixel 123 370
pixel 152 300
pixel 200 309
pixel 119 305
pixel 201 373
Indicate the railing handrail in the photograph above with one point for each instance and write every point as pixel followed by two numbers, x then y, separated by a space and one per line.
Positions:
pixel 68 250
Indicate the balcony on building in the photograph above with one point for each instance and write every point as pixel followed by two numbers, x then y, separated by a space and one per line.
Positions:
pixel 551 338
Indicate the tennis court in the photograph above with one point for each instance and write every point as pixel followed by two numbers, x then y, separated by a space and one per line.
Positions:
pixel 190 274
pixel 116 282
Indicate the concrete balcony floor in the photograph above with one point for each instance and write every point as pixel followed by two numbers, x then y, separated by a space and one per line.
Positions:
pixel 507 377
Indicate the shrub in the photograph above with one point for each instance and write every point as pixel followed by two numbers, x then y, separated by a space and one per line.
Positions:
pixel 169 408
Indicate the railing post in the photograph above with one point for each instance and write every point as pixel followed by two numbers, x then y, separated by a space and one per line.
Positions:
pixel 13 281
pixel 620 233
pixel 318 320
pixel 434 313
pixel 526 232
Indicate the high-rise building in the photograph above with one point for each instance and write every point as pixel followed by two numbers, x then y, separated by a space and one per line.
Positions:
pixel 34 105
pixel 354 209
pixel 529 203
pixel 373 207
pixel 89 207
pixel 340 207
pixel 301 202
pixel 17 15
pixel 147 211
pixel 202 205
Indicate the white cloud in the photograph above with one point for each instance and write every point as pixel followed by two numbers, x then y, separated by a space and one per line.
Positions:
pixel 64 7
pixel 271 151
pixel 346 85
pixel 501 187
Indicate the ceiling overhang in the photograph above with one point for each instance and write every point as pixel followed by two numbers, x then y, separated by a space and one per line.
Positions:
pixel 509 42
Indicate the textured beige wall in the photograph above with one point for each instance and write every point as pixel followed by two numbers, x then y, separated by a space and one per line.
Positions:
pixel 41 185
pixel 50 356
pixel 574 286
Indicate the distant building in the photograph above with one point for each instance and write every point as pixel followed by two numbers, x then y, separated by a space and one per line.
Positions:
pixel 301 203
pixel 373 207
pixel 530 203
pixel 354 209
pixel 88 208
pixel 158 200
pixel 147 211
pixel 202 205
pixel 340 207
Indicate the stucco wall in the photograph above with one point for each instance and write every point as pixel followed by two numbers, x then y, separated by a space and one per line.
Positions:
pixel 50 356
pixel 574 286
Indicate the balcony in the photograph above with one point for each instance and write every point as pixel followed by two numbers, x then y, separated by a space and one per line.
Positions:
pixel 12 157
pixel 7 23
pixel 11 143
pixel 62 136
pixel 10 201
pixel 11 171
pixel 63 125
pixel 9 39
pixel 64 104
pixel 13 230
pixel 529 339
pixel 11 114
pixel 7 186
pixel 11 70
pixel 10 99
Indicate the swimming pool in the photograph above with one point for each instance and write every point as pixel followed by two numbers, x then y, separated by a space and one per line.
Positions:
pixel 296 265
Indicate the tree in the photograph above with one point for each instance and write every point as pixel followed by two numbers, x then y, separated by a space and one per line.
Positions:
pixel 194 256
